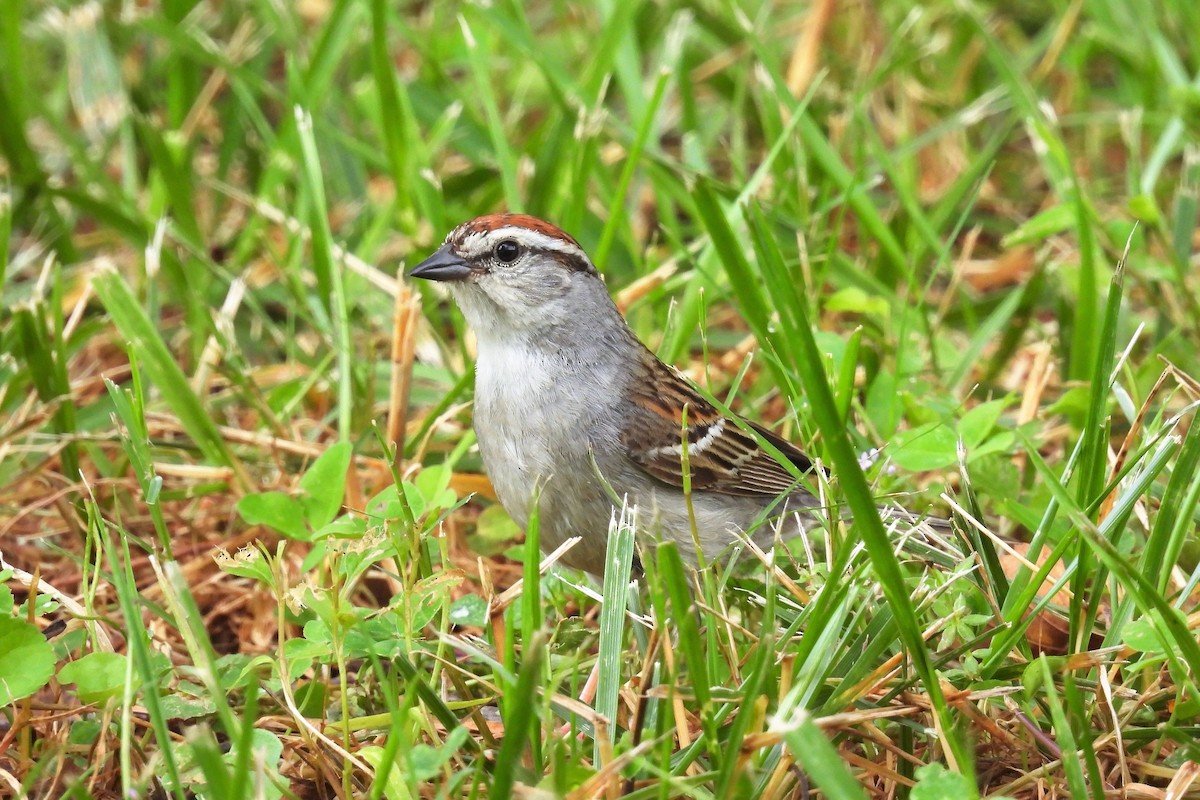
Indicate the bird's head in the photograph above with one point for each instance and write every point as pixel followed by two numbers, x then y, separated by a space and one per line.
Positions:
pixel 515 274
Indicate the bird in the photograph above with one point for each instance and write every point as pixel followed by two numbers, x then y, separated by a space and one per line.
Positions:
pixel 574 413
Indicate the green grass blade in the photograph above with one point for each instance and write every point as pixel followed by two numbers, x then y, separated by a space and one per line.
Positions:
pixel 615 217
pixel 617 567
pixel 810 368
pixel 1093 458
pixel 479 59
pixel 1172 629
pixel 532 615
pixel 45 358
pixel 1175 521
pixel 519 724
pixel 6 214
pixel 329 275
pixel 143 337
pixel 1064 735
pixel 819 758
pixel 117 553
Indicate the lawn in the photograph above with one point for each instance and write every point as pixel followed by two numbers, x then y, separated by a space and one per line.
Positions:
pixel 247 546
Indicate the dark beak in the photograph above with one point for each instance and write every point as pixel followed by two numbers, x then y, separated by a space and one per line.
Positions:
pixel 443 265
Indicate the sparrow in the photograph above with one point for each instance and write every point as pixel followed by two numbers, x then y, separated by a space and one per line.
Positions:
pixel 572 411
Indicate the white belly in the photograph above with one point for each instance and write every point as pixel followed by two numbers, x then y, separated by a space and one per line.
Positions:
pixel 515 396
pixel 537 419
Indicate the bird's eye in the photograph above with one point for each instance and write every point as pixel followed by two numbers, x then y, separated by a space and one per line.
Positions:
pixel 507 251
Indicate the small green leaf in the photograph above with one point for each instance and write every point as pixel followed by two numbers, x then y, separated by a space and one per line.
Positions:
pixel 1073 403
pixel 240 670
pixel 495 530
pixel 1000 443
pixel 97 676
pixel 856 301
pixel 882 404
pixel 930 446
pixel 267 750
pixel 394 787
pixel 1053 220
pixel 1142 634
pixel 386 505
pixel 26 659
pixel 1188 708
pixel 344 527
pixel 276 510
pixel 1143 207
pixel 311 698
pixel 425 761
pixel 185 706
pixel 470 609
pixel 84 732
pixel 324 485
pixel 433 486
pixel 425 600
pixel 935 782
pixel 977 423
pixel 315 644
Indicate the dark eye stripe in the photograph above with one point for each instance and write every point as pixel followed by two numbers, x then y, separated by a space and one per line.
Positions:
pixel 568 261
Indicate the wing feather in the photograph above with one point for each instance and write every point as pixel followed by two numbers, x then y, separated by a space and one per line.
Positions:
pixel 722 457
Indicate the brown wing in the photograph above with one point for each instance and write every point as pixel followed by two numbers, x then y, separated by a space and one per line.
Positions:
pixel 722 457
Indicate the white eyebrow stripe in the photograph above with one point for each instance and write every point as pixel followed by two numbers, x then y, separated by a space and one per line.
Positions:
pixel 479 242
